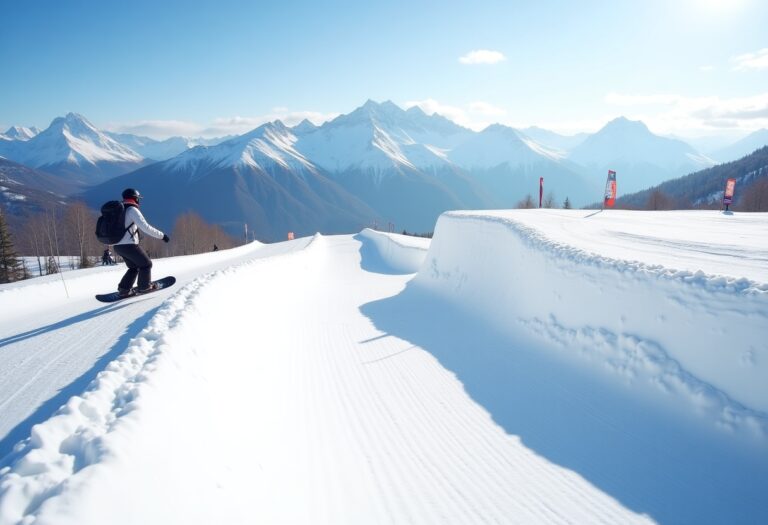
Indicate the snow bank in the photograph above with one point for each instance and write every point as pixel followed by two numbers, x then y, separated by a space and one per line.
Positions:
pixel 701 337
pixel 401 253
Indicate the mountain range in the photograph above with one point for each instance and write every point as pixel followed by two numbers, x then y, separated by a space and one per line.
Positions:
pixel 704 189
pixel 162 149
pixel 379 163
pixel 743 147
pixel 74 149
pixel 19 133
pixel 640 158
pixel 25 192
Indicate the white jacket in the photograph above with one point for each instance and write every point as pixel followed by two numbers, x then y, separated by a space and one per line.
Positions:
pixel 135 221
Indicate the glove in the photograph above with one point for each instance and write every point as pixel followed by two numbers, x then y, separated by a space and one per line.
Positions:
pixel 166 238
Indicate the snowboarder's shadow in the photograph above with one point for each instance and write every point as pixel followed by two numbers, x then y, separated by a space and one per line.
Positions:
pixel 60 324
pixel 47 408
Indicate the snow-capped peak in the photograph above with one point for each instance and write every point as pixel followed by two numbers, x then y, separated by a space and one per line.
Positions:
pixel 381 136
pixel 631 140
pixel 262 148
pixel 79 141
pixel 305 126
pixel 70 140
pixel 21 133
pixel 498 144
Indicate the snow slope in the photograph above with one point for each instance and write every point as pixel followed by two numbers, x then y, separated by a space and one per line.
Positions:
pixel 533 369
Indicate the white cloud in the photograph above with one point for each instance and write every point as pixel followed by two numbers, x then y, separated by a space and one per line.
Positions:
pixel 617 99
pixel 431 106
pixel 482 56
pixel 484 108
pixel 751 61
pixel 679 113
pixel 157 129
pixel 475 115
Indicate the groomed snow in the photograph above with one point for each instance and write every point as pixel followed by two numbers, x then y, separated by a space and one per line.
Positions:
pixel 524 366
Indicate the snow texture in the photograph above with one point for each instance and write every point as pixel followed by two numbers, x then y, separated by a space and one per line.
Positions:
pixel 524 366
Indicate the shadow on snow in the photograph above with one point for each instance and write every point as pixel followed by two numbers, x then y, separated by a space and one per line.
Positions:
pixel 650 459
pixel 76 387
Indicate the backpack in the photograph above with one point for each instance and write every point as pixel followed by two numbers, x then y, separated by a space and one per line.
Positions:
pixel 110 227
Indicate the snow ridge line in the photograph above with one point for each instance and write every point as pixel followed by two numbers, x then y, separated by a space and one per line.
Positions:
pixel 406 257
pixel 43 465
pixel 537 240
pixel 699 338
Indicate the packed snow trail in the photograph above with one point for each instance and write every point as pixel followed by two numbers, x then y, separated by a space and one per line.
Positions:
pixel 53 344
pixel 515 378
pixel 288 406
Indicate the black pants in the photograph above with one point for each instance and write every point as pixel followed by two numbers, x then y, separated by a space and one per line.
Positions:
pixel 138 263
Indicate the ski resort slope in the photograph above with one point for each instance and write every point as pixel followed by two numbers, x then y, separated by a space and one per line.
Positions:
pixel 55 338
pixel 525 366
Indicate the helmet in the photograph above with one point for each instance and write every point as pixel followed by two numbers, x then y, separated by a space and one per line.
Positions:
pixel 131 193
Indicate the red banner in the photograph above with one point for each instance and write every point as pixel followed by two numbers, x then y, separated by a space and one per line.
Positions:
pixel 730 188
pixel 610 189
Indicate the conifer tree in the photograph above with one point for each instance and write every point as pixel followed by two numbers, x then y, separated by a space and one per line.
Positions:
pixel 11 267
pixel 567 204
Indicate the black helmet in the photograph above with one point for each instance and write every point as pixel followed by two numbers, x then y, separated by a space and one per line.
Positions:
pixel 131 193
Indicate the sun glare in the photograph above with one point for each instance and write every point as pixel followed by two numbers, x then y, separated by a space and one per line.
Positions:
pixel 720 6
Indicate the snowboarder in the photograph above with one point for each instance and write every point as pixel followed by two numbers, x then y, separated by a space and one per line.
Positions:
pixel 215 248
pixel 138 262
pixel 106 258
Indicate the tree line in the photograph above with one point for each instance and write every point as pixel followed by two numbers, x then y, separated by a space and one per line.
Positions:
pixel 68 231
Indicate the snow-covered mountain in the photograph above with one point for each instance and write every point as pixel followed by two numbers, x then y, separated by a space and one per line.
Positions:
pixel 162 149
pixel 25 191
pixel 19 133
pixel 508 164
pixel 640 158
pixel 71 146
pixel 498 144
pixel 257 179
pixel 743 147
pixel 387 155
pixel 552 140
pixel 381 138
pixel 396 161
pixel 406 166
pixel 400 166
pixel 705 188
pixel 303 127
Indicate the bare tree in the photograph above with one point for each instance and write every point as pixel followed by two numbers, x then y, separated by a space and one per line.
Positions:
pixel 549 201
pixel 79 222
pixel 658 201
pixel 33 240
pixel 191 235
pixel 526 202
pixel 755 197
pixel 40 235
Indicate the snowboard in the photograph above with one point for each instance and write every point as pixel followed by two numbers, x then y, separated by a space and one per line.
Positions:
pixel 163 283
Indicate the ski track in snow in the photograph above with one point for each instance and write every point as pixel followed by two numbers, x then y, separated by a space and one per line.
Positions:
pixel 328 385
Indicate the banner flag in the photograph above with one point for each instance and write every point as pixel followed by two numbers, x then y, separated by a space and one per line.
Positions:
pixel 730 188
pixel 541 189
pixel 610 189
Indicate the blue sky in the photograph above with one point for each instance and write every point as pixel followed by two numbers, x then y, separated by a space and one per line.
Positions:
pixel 690 67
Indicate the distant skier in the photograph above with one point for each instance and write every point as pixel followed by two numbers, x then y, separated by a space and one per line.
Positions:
pixel 215 248
pixel 128 248
pixel 106 258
